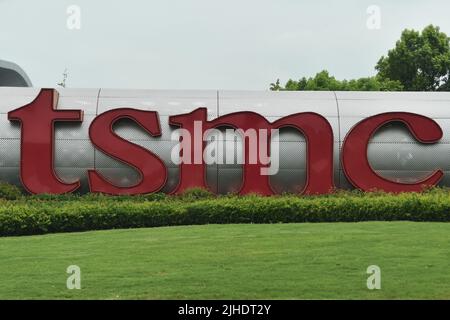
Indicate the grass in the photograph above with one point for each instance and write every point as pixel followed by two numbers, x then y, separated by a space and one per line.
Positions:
pixel 278 261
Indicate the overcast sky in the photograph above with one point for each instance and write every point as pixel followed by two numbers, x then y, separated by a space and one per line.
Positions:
pixel 203 44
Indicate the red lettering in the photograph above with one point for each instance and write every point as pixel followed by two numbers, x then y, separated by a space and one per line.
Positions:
pixel 317 131
pixel 37 149
pixel 191 175
pixel 319 149
pixel 37 143
pixel 354 155
pixel 151 168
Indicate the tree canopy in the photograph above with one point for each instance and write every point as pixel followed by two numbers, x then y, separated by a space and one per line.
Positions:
pixel 420 61
pixel 322 81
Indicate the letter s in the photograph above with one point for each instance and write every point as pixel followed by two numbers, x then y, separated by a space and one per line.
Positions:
pixel 152 170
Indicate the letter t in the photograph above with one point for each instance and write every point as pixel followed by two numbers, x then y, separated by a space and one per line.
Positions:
pixel 37 143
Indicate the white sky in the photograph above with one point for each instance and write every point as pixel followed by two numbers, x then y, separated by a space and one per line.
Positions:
pixel 203 44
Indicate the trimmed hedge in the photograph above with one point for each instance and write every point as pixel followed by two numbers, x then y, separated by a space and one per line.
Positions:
pixel 9 191
pixel 48 213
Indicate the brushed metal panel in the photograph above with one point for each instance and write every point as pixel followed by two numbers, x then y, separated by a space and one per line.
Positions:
pixel 397 175
pixel 173 177
pixel 13 98
pixel 292 147
pixel 165 102
pixel 336 177
pixel 8 129
pixel 392 95
pixel 10 175
pixel 84 99
pixel 404 176
pixel 159 93
pixel 232 149
pixel 292 155
pixel 275 105
pixel 288 180
pixel 409 156
pixel 278 104
pixel 445 181
pixel 125 177
pixel 73 130
pixel 365 104
pixel 122 177
pixel 68 174
pixel 161 148
pixel 343 182
pixel 63 130
pixel 229 180
pixel 129 129
pixel 289 135
pixel 74 154
pixel 393 152
pixel 337 159
pixel 9 152
pixel 444 123
pixel 212 174
pixel 393 131
pixel 334 123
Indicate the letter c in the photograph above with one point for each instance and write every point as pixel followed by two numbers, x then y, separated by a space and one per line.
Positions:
pixel 354 152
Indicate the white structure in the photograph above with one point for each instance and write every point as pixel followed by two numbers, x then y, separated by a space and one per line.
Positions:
pixel 393 152
pixel 11 75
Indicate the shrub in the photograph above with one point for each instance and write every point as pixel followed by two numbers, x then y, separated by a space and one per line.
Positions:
pixel 9 191
pixel 66 213
pixel 196 194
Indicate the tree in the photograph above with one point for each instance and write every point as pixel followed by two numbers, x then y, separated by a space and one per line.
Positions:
pixel 275 86
pixel 372 84
pixel 419 61
pixel 322 81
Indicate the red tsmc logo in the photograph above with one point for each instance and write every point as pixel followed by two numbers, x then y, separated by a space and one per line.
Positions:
pixel 259 160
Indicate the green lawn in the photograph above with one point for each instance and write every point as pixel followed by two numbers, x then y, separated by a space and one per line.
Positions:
pixel 280 261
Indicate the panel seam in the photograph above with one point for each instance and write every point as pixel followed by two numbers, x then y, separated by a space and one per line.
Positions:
pixel 339 135
pixel 96 114
pixel 217 146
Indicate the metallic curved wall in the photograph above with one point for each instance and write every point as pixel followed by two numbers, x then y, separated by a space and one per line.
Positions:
pixel 392 152
pixel 11 75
